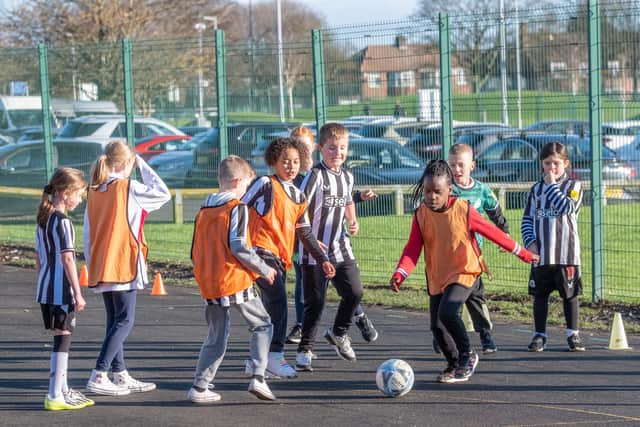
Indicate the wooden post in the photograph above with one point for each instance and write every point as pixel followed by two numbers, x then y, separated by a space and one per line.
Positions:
pixel 399 200
pixel 178 208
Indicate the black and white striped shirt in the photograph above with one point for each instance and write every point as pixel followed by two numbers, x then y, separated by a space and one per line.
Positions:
pixel 550 219
pixel 57 237
pixel 328 193
pixel 259 195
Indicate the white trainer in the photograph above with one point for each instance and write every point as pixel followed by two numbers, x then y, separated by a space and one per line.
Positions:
pixel 260 389
pixel 200 397
pixel 303 361
pixel 123 379
pixel 99 383
pixel 277 367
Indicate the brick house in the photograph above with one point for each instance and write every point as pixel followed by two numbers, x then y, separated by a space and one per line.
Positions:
pixel 403 68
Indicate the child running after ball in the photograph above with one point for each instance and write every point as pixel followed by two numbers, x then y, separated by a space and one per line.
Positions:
pixel 445 227
pixel 328 188
pixel 225 266
pixel 483 200
pixel 550 228
pixel 58 290
pixel 277 215
pixel 361 320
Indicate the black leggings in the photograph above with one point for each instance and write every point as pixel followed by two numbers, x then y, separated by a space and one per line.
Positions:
pixel 446 324
pixel 541 310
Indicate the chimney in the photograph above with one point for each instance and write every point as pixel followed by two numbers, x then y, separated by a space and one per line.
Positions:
pixel 401 42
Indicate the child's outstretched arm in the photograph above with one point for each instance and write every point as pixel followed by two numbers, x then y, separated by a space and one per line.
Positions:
pixel 409 257
pixel 479 225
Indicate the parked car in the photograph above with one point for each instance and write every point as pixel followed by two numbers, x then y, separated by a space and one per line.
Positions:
pixel 375 161
pixel 630 153
pixel 174 166
pixel 23 164
pixel 242 138
pixel 153 145
pixel 21 113
pixel 194 130
pixel 616 135
pixel 109 127
pixel 35 134
pixel 517 160
pixel 400 132
pixel 427 142
pixel 577 127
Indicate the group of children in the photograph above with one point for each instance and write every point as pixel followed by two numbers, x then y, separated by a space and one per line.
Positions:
pixel 251 231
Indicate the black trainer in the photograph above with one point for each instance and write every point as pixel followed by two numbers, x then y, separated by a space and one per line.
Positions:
pixel 448 375
pixel 341 344
pixel 295 334
pixel 466 367
pixel 538 343
pixel 575 343
pixel 368 331
pixel 486 340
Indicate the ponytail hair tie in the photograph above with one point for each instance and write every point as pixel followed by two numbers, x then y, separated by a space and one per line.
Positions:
pixel 48 189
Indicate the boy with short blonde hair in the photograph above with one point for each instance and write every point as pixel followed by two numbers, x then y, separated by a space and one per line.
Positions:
pixel 225 266
pixel 328 188
pixel 481 197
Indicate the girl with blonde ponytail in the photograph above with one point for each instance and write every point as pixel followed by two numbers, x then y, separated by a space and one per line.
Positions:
pixel 115 251
pixel 58 290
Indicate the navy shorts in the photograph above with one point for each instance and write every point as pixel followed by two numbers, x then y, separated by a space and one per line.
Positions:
pixel 545 279
pixel 56 317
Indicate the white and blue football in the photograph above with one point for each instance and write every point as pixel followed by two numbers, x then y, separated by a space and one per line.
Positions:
pixel 394 378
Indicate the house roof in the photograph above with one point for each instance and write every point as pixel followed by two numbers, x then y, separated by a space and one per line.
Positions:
pixel 385 58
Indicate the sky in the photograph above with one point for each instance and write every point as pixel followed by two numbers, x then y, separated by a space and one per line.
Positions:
pixel 341 12
pixel 345 12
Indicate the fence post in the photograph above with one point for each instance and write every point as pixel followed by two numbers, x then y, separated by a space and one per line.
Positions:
pixel 317 51
pixel 597 254
pixel 129 108
pixel 178 207
pixel 399 200
pixel 445 84
pixel 221 92
pixel 43 62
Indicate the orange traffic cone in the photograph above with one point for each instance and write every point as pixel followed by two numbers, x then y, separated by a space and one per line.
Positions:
pixel 158 286
pixel 84 276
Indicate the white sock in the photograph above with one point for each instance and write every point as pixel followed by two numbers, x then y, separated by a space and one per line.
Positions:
pixel 571 332
pixel 58 374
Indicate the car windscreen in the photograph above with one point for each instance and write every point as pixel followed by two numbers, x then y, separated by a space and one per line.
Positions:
pixel 78 129
pixel 24 118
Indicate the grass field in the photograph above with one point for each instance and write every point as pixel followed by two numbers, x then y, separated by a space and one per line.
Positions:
pixel 486 106
pixel 382 238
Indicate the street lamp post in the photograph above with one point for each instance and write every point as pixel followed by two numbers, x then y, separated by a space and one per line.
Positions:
pixel 200 27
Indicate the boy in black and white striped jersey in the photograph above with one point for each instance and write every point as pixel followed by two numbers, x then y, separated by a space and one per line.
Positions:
pixel 328 189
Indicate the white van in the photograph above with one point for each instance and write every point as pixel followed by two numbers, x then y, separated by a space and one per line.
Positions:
pixel 19 113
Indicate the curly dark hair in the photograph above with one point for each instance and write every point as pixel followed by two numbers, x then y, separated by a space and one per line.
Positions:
pixel 279 145
pixel 435 168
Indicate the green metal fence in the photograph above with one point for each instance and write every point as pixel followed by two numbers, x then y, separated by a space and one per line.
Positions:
pixel 497 81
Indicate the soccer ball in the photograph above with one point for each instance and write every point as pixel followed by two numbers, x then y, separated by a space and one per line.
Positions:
pixel 394 378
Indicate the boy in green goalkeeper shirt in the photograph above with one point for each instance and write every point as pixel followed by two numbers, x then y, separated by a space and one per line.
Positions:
pixel 483 200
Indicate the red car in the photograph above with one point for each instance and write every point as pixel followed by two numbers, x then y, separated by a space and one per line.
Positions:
pixel 152 145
